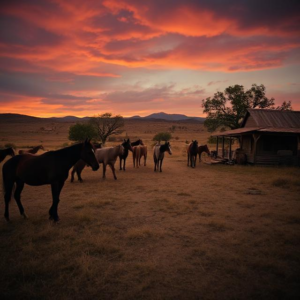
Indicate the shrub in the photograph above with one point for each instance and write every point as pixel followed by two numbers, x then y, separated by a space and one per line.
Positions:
pixel 162 136
pixel 8 145
pixel 79 132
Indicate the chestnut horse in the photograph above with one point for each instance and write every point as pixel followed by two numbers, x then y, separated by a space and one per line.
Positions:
pixel 4 152
pixel 192 152
pixel 159 153
pixel 34 150
pixel 203 148
pixel 49 168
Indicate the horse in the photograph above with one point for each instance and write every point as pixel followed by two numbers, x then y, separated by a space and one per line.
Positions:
pixel 49 168
pixel 80 165
pixel 203 148
pixel 192 152
pixel 125 154
pixel 159 153
pixel 138 152
pixel 4 152
pixel 108 156
pixel 34 150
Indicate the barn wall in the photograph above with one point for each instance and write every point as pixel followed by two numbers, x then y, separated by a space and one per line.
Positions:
pixel 277 149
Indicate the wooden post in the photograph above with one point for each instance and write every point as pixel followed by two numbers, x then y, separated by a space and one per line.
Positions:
pixel 229 148
pixel 223 143
pixel 217 147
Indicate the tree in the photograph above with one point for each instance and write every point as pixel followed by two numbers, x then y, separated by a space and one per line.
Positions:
pixel 107 125
pixel 162 136
pixel 239 100
pixel 79 132
pixel 285 106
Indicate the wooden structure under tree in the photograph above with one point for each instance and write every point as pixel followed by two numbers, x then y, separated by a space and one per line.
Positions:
pixel 266 136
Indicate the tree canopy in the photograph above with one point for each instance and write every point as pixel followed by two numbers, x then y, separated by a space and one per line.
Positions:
pixel 79 132
pixel 107 125
pixel 228 108
pixel 162 136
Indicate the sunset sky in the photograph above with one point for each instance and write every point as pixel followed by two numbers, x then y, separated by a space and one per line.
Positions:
pixel 137 57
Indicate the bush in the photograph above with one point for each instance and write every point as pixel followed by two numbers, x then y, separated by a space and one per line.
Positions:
pixel 162 136
pixel 12 145
pixel 79 132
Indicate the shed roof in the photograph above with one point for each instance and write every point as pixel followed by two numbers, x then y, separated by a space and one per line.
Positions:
pixel 268 120
pixel 274 118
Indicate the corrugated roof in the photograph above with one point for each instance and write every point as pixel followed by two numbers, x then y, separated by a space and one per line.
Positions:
pixel 236 131
pixel 275 118
pixel 268 120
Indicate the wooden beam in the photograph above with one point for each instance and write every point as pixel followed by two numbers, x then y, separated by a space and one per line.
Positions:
pixel 217 147
pixel 229 148
pixel 223 143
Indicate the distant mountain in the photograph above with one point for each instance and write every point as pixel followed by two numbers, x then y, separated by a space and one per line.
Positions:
pixel 18 118
pixel 171 117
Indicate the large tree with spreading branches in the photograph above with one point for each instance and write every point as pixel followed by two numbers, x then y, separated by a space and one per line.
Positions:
pixel 227 109
pixel 107 125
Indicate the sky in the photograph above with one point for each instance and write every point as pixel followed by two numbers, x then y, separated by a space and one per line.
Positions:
pixel 133 57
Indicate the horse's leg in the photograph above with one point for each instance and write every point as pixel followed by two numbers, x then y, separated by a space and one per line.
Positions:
pixel 72 174
pixel 7 195
pixel 120 163
pixel 124 163
pixel 199 157
pixel 188 159
pixel 113 170
pixel 160 170
pixel 79 175
pixel 145 158
pixel 17 196
pixel 56 188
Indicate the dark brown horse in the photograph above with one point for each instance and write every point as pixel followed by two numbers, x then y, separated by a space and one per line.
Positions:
pixel 192 153
pixel 4 152
pixel 81 164
pixel 49 168
pixel 124 156
pixel 202 149
pixel 34 150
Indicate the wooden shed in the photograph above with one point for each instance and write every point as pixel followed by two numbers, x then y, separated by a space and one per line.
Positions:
pixel 266 136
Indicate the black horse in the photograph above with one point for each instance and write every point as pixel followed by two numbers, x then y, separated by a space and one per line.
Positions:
pixel 49 168
pixel 81 164
pixel 125 154
pixel 4 152
pixel 192 153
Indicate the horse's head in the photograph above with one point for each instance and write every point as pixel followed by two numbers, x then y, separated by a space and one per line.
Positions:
pixel 168 147
pixel 141 142
pixel 194 144
pixel 127 145
pixel 88 155
pixel 206 150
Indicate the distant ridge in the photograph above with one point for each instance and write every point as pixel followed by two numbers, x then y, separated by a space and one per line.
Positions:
pixel 18 118
pixel 170 117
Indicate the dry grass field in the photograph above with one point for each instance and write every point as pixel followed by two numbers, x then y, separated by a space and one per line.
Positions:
pixel 213 232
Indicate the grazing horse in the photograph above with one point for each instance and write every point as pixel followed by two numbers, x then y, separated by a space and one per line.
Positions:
pixel 159 153
pixel 4 152
pixel 49 168
pixel 80 165
pixel 108 156
pixel 203 148
pixel 192 152
pixel 34 150
pixel 125 154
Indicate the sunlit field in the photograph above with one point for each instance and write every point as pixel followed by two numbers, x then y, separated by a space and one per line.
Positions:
pixel 213 232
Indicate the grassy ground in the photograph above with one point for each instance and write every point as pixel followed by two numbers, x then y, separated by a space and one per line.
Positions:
pixel 213 232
